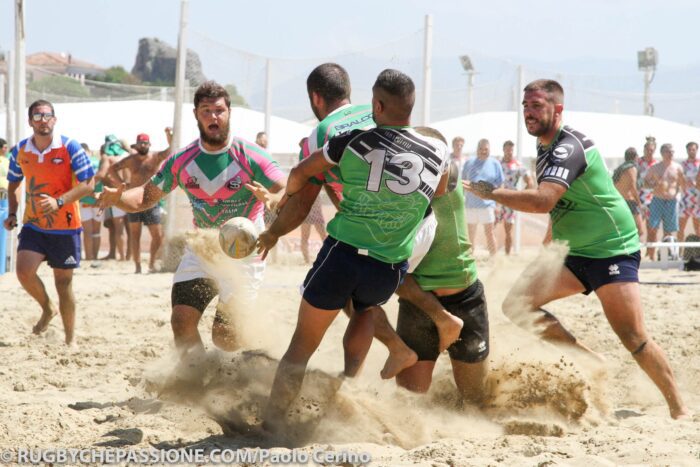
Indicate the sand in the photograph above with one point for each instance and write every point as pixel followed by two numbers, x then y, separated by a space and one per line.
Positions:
pixel 122 387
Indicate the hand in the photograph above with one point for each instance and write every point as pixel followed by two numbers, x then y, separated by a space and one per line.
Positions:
pixel 481 188
pixel 266 241
pixel 263 194
pixel 47 204
pixel 169 134
pixel 11 222
pixel 109 197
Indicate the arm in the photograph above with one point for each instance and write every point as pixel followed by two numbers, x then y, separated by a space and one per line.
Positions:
pixel 49 204
pixel 529 181
pixel 134 199
pixel 13 203
pixel 441 189
pixel 112 176
pixel 539 200
pixel 630 177
pixel 162 155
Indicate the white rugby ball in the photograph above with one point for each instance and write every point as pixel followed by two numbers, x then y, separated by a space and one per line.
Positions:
pixel 238 237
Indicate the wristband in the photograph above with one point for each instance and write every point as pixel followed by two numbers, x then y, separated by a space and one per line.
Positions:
pixel 12 214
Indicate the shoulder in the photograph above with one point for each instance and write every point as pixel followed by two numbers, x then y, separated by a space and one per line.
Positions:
pixel 571 142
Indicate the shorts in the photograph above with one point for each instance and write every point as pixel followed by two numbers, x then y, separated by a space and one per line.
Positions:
pixel 113 212
pixel 197 293
pixel 666 211
pixel 690 203
pixel 424 238
pixel 340 272
pixel 505 214
pixel 90 212
pixel 634 207
pixel 481 215
pixel 597 272
pixel 419 332
pixel 62 251
pixel 150 216
pixel 235 279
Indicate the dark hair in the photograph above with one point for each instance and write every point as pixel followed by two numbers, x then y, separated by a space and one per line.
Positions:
pixel 430 132
pixel 330 81
pixel 665 147
pixel 508 143
pixel 457 138
pixel 85 147
pixel 650 141
pixel 554 91
pixel 2 142
pixel 39 103
pixel 687 146
pixel 630 154
pixel 400 87
pixel 260 133
pixel 211 90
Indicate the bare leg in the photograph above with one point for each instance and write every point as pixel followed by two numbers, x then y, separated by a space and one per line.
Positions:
pixel 357 341
pixel 27 265
pixel 508 228
pixel 470 379
pixel 622 305
pixel 223 331
pixel 682 222
pixel 640 225
pixel 63 278
pixel 490 239
pixel 651 237
pixel 696 225
pixel 119 236
pixel 448 325
pixel 156 231
pixel 321 231
pixel 87 239
pixel 400 355
pixel 312 325
pixel 109 224
pixel 135 239
pixel 184 320
pixel 418 377
pixel 305 234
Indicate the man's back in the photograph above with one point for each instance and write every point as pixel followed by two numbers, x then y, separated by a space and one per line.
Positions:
pixel 389 176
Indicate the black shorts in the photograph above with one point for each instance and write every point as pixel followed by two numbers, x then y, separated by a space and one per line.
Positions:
pixel 419 332
pixel 634 207
pixel 150 216
pixel 62 251
pixel 196 293
pixel 341 273
pixel 596 272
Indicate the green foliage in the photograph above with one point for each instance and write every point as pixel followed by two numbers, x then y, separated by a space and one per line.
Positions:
pixel 116 74
pixel 236 99
pixel 59 85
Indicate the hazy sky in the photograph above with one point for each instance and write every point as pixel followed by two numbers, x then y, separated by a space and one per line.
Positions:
pixel 107 32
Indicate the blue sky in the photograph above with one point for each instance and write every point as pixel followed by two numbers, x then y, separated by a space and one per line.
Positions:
pixel 593 37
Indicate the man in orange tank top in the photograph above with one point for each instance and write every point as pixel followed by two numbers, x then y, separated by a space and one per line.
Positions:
pixel 56 173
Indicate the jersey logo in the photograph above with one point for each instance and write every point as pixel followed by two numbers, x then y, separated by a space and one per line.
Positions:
pixel 57 160
pixel 614 270
pixel 234 183
pixel 192 183
pixel 563 151
pixel 70 261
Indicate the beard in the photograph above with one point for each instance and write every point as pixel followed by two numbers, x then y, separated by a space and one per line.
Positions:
pixel 219 138
pixel 142 151
pixel 43 130
pixel 538 127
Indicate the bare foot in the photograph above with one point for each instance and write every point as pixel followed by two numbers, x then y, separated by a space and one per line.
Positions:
pixel 449 327
pixel 152 269
pixel 397 362
pixel 682 413
pixel 138 269
pixel 46 317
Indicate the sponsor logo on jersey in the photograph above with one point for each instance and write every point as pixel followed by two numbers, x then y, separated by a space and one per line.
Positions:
pixel 191 183
pixel 558 172
pixel 563 151
pixel 70 261
pixel 614 270
pixel 57 160
pixel 352 123
pixel 234 183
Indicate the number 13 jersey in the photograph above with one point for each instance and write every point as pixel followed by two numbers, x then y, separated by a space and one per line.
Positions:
pixel 389 175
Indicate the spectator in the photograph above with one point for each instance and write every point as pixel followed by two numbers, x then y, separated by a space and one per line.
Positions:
pixel 261 139
pixel 457 155
pixel 625 179
pixel 513 172
pixel 690 202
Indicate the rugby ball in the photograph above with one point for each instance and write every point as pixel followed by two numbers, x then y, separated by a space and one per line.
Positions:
pixel 238 237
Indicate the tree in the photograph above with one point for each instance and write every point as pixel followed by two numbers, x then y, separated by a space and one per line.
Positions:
pixel 116 74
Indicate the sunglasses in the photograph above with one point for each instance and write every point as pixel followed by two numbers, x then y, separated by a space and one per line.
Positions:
pixel 37 117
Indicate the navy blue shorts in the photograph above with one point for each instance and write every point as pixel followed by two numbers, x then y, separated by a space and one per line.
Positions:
pixel 596 272
pixel 62 251
pixel 340 273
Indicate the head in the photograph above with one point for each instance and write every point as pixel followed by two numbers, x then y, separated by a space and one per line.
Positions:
pixel 543 104
pixel 42 117
pixel 692 149
pixel 457 145
pixel 143 144
pixel 631 155
pixel 667 152
pixel 508 148
pixel 3 147
pixel 649 146
pixel 261 139
pixel 302 142
pixel 483 149
pixel 328 86
pixel 393 96
pixel 212 109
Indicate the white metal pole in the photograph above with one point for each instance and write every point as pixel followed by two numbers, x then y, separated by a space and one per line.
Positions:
pixel 470 91
pixel 10 113
pixel 177 115
pixel 20 87
pixel 647 83
pixel 268 100
pixel 517 233
pixel 427 68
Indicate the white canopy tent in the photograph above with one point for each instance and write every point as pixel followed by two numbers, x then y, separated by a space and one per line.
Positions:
pixel 612 133
pixel 90 122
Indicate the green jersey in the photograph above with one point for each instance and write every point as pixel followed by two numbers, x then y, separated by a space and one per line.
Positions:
pixel 592 216
pixel 342 120
pixel 389 175
pixel 90 199
pixel 449 263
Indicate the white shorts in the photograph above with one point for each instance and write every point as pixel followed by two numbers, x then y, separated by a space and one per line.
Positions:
pixel 113 212
pixel 424 238
pixel 481 215
pixel 88 213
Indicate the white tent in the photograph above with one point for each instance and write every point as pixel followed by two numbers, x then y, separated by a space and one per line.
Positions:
pixel 612 133
pixel 89 122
